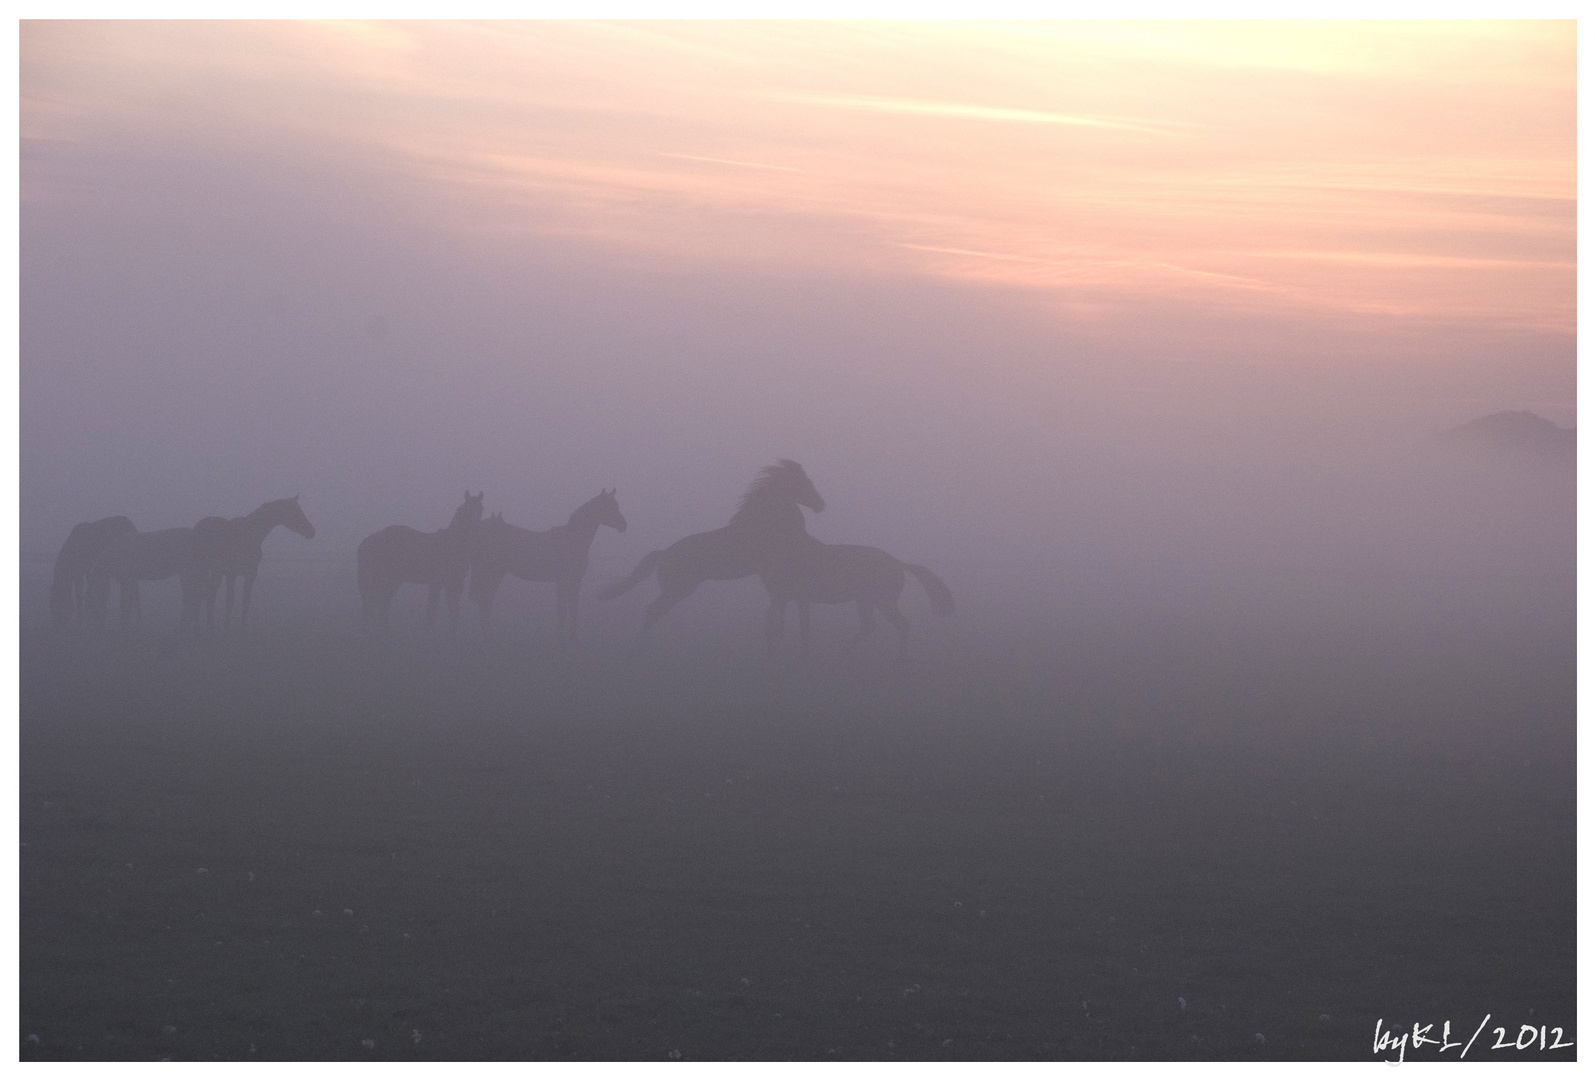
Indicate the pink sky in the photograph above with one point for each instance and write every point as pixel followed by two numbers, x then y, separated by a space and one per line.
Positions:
pixel 1423 170
pixel 461 236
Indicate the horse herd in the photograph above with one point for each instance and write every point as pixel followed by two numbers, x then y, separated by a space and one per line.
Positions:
pixel 767 537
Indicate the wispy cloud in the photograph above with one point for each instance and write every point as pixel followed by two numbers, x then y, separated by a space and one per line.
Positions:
pixel 729 161
pixel 960 111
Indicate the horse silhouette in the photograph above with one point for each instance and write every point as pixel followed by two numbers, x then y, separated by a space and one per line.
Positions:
pixel 133 557
pixel 767 530
pixel 231 548
pixel 69 587
pixel 399 554
pixel 558 555
pixel 848 573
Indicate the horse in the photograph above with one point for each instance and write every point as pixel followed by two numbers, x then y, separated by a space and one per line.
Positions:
pixel 69 587
pixel 231 548
pixel 558 555
pixel 849 573
pixel 133 557
pixel 399 554
pixel 767 530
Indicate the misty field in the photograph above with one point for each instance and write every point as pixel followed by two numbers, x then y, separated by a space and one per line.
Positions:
pixel 1173 827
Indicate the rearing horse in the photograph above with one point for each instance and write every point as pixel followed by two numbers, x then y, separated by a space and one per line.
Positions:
pixel 69 588
pixel 231 548
pixel 399 554
pixel 558 555
pixel 766 532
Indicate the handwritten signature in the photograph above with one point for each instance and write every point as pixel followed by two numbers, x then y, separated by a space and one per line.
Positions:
pixel 1528 1037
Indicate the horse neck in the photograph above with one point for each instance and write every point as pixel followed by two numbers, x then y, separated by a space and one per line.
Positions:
pixel 768 521
pixel 580 529
pixel 457 534
pixel 257 524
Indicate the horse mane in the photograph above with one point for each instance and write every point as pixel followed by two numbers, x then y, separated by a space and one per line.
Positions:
pixel 767 483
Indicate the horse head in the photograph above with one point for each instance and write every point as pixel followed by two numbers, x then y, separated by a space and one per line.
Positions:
pixel 607 511
pixel 469 513
pixel 803 490
pixel 290 515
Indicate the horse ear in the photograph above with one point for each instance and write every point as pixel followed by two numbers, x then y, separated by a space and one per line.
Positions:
pixel 296 496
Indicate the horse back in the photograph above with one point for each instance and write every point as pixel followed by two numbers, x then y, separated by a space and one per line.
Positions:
pixel 400 553
pixel 87 542
pixel 148 556
pixel 225 546
pixel 846 572
pixel 544 556
pixel 721 554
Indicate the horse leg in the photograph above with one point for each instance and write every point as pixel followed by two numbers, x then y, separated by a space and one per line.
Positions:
pixel 485 607
pixel 656 611
pixel 895 617
pixel 775 621
pixel 433 593
pixel 866 616
pixel 565 600
pixel 243 611
pixel 127 593
pixel 452 596
pixel 482 591
pixel 803 627
pixel 192 586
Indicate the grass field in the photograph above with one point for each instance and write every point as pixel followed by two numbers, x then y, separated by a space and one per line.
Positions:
pixel 1155 832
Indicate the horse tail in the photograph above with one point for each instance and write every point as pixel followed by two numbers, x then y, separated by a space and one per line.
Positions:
pixel 941 598
pixel 633 579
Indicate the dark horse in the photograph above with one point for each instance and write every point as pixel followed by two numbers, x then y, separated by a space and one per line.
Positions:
pixel 69 588
pixel 766 532
pixel 231 548
pixel 399 554
pixel 132 557
pixel 849 573
pixel 558 555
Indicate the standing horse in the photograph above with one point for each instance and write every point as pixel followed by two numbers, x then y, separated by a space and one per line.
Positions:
pixel 146 556
pixel 766 531
pixel 558 555
pixel 399 554
pixel 850 573
pixel 231 548
pixel 69 588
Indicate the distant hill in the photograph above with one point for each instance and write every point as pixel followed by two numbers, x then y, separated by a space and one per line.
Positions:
pixel 1514 435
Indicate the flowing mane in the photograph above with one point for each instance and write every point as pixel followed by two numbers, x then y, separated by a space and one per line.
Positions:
pixel 767 531
pixel 775 485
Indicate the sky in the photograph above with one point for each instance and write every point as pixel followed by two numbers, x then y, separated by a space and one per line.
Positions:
pixel 978 278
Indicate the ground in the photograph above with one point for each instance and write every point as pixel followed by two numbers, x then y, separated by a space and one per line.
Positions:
pixel 306 844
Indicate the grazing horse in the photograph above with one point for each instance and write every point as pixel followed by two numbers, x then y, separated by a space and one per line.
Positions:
pixel 69 588
pixel 766 531
pixel 146 556
pixel 399 554
pixel 850 573
pixel 558 555
pixel 231 548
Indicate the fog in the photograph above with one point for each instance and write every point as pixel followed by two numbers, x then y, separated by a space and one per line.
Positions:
pixel 1175 521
